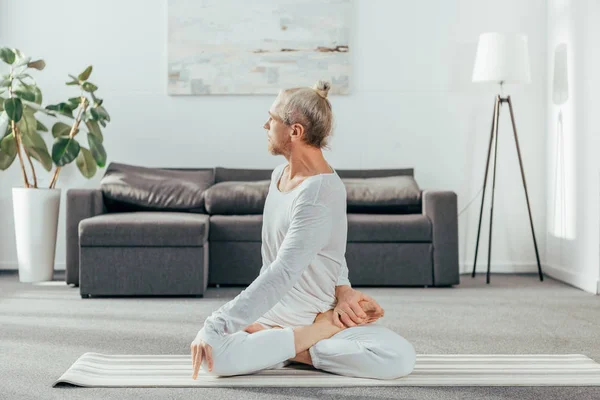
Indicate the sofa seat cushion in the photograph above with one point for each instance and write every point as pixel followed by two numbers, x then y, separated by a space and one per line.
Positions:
pixel 236 228
pixel 389 228
pixel 236 197
pixel 145 228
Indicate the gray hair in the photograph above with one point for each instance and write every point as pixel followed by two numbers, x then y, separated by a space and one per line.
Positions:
pixel 310 108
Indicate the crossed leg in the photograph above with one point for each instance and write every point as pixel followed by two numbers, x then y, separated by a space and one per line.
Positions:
pixel 367 351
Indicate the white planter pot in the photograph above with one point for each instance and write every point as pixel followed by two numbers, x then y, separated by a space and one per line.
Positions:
pixel 36 224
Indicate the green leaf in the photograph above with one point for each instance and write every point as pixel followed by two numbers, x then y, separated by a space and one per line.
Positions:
pixel 62 108
pixel 99 113
pixel 64 150
pixel 72 83
pixel 89 87
pixel 36 147
pixel 95 130
pixel 35 140
pixel 103 113
pixel 28 123
pixel 42 156
pixel 41 127
pixel 97 101
pixel 38 95
pixel 85 74
pixel 5 83
pixel 102 123
pixel 93 114
pixel 9 144
pixel 86 163
pixel 60 129
pixel 97 150
pixel 7 55
pixel 3 123
pixel 36 107
pixel 14 108
pixel 6 160
pixel 25 95
pixel 23 76
pixel 74 102
pixel 38 64
pixel 25 84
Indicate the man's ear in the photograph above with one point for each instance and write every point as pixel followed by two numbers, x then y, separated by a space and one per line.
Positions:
pixel 298 130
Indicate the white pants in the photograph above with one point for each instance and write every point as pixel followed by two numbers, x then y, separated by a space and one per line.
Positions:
pixel 366 351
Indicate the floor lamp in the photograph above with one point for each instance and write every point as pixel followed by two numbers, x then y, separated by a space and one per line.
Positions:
pixel 502 58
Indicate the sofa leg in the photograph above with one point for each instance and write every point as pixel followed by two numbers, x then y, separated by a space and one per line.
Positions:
pixel 85 296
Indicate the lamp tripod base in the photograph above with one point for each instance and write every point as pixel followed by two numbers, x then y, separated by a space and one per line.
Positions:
pixel 494 138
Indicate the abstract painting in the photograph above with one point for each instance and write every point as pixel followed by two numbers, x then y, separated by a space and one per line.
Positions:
pixel 257 47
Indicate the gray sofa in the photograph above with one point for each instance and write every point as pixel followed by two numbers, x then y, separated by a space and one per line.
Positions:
pixel 115 248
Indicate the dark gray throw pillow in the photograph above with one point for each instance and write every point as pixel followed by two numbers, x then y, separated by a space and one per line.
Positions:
pixel 236 197
pixel 391 194
pixel 133 188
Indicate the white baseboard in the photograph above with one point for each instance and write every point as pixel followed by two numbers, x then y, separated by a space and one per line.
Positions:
pixel 582 281
pixel 499 268
pixel 7 265
pixel 578 280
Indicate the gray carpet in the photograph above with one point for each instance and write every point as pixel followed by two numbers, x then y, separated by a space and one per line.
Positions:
pixel 45 328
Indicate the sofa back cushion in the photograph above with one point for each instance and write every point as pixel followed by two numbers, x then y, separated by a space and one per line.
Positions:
pixel 134 188
pixel 374 173
pixel 388 195
pixel 238 174
pixel 237 197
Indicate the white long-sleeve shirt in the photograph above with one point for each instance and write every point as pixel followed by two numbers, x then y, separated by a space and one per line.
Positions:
pixel 303 250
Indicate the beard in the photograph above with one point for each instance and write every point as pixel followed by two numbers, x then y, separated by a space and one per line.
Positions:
pixel 277 148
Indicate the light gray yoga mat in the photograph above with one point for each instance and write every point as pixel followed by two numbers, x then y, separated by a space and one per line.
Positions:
pixel 104 370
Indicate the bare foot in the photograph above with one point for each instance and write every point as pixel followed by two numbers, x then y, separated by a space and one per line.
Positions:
pixel 303 358
pixel 256 327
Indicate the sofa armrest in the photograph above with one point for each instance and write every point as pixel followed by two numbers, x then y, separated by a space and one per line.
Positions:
pixel 81 204
pixel 442 209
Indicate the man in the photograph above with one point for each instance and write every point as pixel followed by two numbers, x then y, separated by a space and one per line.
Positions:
pixel 301 307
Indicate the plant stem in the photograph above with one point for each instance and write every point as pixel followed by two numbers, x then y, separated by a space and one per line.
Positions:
pixel 18 142
pixel 17 136
pixel 74 128
pixel 35 185
pixel 54 178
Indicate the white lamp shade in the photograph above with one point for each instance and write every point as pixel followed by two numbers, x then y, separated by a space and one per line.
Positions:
pixel 502 57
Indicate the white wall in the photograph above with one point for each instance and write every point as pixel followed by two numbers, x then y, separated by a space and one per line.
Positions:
pixel 412 104
pixel 573 242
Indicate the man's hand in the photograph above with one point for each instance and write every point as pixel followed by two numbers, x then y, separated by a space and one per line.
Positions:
pixel 200 350
pixel 355 308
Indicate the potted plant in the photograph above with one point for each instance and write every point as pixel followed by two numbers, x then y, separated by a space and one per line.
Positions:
pixel 22 137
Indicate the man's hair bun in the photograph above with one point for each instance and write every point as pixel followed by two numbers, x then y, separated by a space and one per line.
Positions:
pixel 322 88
